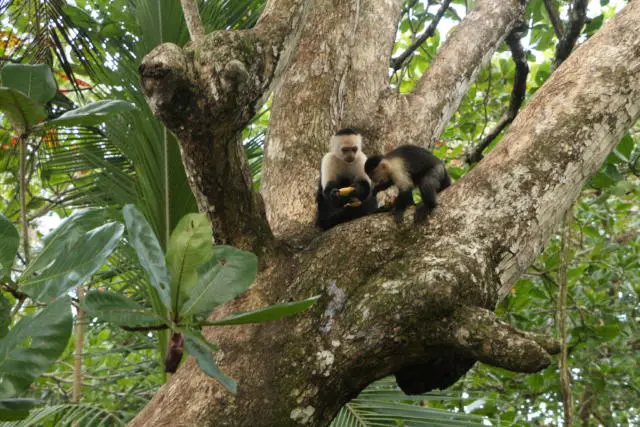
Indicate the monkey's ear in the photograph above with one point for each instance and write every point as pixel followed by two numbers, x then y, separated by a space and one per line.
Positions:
pixel 384 165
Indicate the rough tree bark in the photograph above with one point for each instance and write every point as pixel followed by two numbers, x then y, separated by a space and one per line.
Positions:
pixel 422 301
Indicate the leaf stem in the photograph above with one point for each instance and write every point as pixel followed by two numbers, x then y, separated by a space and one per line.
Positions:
pixel 22 141
pixel 77 357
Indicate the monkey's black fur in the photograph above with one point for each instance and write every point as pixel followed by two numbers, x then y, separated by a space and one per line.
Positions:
pixel 424 170
pixel 343 166
pixel 346 131
pixel 331 205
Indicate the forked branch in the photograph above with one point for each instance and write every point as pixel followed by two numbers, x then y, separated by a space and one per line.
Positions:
pixel 573 27
pixel 441 88
pixel 221 79
pixel 518 93
pixel 554 17
pixel 400 60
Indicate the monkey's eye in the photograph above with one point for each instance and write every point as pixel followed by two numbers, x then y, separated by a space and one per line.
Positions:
pixel 346 150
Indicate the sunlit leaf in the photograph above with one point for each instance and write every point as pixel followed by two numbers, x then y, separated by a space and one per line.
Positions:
pixel 272 312
pixel 226 275
pixel 35 81
pixel 79 17
pixel 118 309
pixel 75 264
pixel 150 254
pixel 198 347
pixel 190 246
pixel 90 114
pixel 21 110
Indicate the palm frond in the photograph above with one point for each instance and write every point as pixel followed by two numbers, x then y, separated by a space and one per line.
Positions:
pixel 44 30
pixel 67 415
pixel 383 404
pixel 230 14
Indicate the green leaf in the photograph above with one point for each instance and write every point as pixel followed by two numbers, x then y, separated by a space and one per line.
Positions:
pixel 535 381
pixel 625 147
pixel 71 266
pixel 35 81
pixel 226 275
pixel 150 254
pixel 272 312
pixel 622 187
pixel 198 347
pixel 9 242
pixel 16 409
pixel 91 114
pixel 190 245
pixel 79 17
pixel 594 24
pixel 21 110
pixel 71 414
pixel 69 233
pixel 5 316
pixel 32 345
pixel 608 332
pixel 118 309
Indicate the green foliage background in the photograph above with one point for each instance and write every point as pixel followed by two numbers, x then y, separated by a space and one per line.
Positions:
pixel 95 47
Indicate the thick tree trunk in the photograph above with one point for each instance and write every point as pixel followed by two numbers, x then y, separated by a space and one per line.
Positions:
pixel 409 300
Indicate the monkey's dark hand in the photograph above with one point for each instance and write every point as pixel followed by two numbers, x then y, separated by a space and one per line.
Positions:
pixel 381 186
pixel 336 198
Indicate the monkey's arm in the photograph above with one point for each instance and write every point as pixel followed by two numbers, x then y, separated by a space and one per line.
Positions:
pixel 382 186
pixel 362 189
pixel 403 201
pixel 332 195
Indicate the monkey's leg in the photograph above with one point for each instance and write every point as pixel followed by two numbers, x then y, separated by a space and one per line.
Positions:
pixel 428 187
pixel 404 200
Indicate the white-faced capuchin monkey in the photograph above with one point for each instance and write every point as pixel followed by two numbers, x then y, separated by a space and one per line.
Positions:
pixel 406 167
pixel 344 192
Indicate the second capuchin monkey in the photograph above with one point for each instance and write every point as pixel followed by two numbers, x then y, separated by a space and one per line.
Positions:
pixel 407 167
pixel 344 192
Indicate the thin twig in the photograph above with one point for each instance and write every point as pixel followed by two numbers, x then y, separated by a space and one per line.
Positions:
pixel 145 328
pixel 565 375
pixel 399 61
pixel 485 101
pixel 577 17
pixel 556 22
pixel 517 95
pixel 193 20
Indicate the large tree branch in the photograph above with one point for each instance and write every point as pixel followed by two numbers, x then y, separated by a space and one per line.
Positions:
pixel 518 93
pixel 337 76
pixel 399 61
pixel 340 78
pixel 193 20
pixel 421 293
pixel 440 90
pixel 222 79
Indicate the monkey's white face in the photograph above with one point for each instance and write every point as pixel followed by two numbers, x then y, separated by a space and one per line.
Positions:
pixel 346 147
